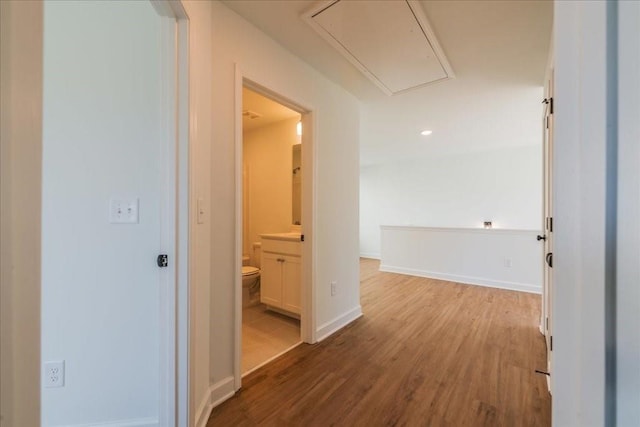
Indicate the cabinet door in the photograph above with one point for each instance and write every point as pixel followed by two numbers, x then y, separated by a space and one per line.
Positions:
pixel 271 280
pixel 291 284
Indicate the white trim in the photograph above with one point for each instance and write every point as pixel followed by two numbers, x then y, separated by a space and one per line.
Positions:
pixel 237 281
pixel 579 218
pixel 168 217
pixel 309 226
pixel 418 12
pixel 217 393
pixel 185 112
pixel 628 252
pixel 371 255
pixel 309 203
pixel 174 399
pixel 467 280
pixel 338 323
pixel 133 422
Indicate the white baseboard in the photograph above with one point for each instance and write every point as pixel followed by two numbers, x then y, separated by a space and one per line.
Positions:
pixel 468 280
pixel 338 323
pixel 372 255
pixel 217 393
pixel 133 422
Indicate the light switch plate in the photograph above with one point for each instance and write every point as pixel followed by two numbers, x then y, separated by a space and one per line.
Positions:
pixel 123 211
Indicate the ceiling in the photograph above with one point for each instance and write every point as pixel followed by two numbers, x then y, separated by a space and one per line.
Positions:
pixel 268 111
pixel 496 39
pixel 498 51
pixel 391 42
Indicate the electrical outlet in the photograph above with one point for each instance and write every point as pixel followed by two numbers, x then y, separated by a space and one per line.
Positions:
pixel 333 287
pixel 507 262
pixel 54 374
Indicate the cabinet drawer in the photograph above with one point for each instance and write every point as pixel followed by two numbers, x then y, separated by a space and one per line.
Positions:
pixel 287 247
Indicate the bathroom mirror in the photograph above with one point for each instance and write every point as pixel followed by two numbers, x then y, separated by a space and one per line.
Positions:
pixel 296 186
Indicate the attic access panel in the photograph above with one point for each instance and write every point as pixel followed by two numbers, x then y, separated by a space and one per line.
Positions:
pixel 391 42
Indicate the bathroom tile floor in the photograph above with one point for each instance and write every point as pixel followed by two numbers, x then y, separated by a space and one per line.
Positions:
pixel 265 334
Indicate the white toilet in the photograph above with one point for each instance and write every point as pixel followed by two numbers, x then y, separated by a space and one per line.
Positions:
pixel 251 278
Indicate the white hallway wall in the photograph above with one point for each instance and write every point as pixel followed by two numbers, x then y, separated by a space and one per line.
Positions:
pixel 483 160
pixel 212 175
pixel 200 134
pixel 267 159
pixel 502 258
pixel 20 210
pixel 336 134
pixel 102 130
pixel 454 190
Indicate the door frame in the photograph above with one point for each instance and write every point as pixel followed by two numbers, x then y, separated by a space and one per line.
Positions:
pixel 546 321
pixel 308 149
pixel 174 314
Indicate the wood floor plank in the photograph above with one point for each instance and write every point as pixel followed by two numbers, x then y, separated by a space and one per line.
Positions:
pixel 425 353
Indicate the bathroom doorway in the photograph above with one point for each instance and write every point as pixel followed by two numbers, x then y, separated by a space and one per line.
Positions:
pixel 271 229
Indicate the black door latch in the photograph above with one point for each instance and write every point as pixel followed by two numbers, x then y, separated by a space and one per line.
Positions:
pixel 549 259
pixel 539 237
pixel 163 260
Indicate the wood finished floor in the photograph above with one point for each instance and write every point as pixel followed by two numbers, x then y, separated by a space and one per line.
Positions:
pixel 426 353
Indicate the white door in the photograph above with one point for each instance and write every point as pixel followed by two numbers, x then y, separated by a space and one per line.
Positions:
pixel 547 238
pixel 291 283
pixel 108 212
pixel 271 279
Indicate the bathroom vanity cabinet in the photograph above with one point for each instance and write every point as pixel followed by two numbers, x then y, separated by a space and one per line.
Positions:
pixel 281 273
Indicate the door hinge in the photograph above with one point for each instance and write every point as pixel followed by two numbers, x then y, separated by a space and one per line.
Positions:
pixel 163 260
pixel 551 343
pixel 302 237
pixel 549 101
pixel 550 224
pixel 547 323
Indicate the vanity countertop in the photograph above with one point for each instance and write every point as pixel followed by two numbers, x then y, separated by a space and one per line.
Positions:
pixel 294 237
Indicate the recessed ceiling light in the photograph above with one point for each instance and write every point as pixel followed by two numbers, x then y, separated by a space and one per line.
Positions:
pixel 426 132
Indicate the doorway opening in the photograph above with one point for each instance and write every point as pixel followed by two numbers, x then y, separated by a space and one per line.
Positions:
pixel 271 229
